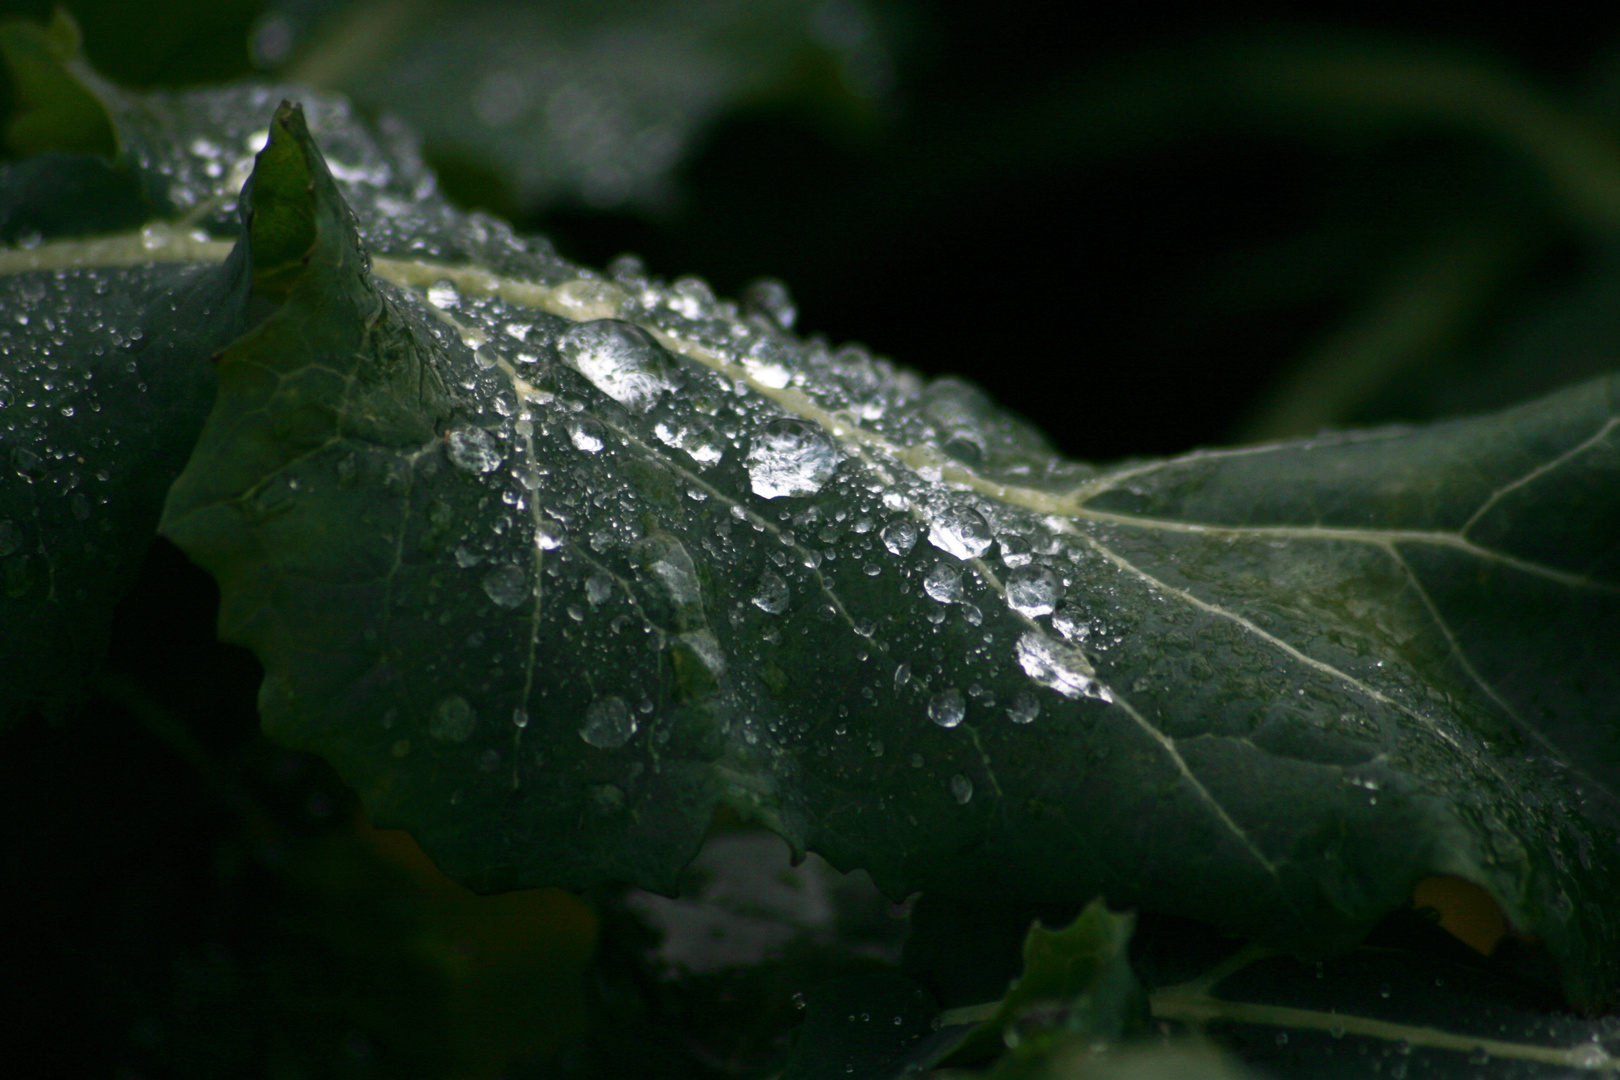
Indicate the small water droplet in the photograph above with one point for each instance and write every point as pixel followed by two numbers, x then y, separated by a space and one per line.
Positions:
pixel 961 789
pixel 900 535
pixel 586 435
pixel 1032 591
pixel 1479 1056
pixel 771 594
pixel 960 531
pixel 609 723
pixel 619 359
pixel 944 583
pixel 789 456
pixel 453 720
pixel 770 298
pixel 507 586
pixel 520 717
pixel 442 294
pixel 472 449
pixel 947 708
pixel 1023 709
pixel 598 587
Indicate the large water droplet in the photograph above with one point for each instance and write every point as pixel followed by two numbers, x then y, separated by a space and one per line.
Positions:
pixel 944 583
pixel 1023 709
pixel 771 594
pixel 1590 1056
pixel 961 531
pixel 900 535
pixel 1059 667
pixel 548 535
pixel 507 586
pixel 473 449
pixel 586 435
pixel 947 708
pixel 453 720
pixel 609 723
pixel 620 359
pixel 671 594
pixel 790 457
pixel 442 294
pixel 1032 591
pixel 961 789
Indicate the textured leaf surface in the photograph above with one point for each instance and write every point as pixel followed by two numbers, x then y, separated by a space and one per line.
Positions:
pixel 549 589
pixel 105 380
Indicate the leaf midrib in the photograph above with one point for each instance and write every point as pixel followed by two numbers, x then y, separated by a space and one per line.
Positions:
pixel 586 298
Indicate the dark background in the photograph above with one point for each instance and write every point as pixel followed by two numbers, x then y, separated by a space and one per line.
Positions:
pixel 1134 277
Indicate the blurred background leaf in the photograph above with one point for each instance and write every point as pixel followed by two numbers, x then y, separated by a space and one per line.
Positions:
pixel 1146 227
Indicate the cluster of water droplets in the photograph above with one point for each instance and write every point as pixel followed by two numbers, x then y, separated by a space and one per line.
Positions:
pixel 642 477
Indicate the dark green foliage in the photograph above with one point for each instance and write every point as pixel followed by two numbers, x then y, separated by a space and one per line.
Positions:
pixel 557 569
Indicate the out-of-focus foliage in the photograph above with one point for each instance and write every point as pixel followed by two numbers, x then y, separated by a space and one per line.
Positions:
pixel 1263 224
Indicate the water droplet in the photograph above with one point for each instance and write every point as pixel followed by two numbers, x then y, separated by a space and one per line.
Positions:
pixel 944 583
pixel 586 435
pixel 790 457
pixel 1071 624
pixel 961 789
pixel 771 594
pixel 1032 591
pixel 671 594
pixel 766 364
pixel 1023 709
pixel 609 723
pixel 598 587
pixel 442 294
pixel 900 536
pixel 1590 1056
pixel 520 717
pixel 548 535
pixel 507 586
pixel 1059 667
pixel 473 449
pixel 1479 1056
pixel 620 360
pixel 453 720
pixel 770 298
pixel 960 531
pixel 947 708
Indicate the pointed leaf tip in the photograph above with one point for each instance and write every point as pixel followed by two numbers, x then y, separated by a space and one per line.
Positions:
pixel 281 203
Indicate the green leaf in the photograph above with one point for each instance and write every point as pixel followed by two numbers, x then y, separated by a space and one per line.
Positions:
pixel 595 102
pixel 1076 983
pixel 58 110
pixel 106 377
pixel 553 566
pixel 1410 999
